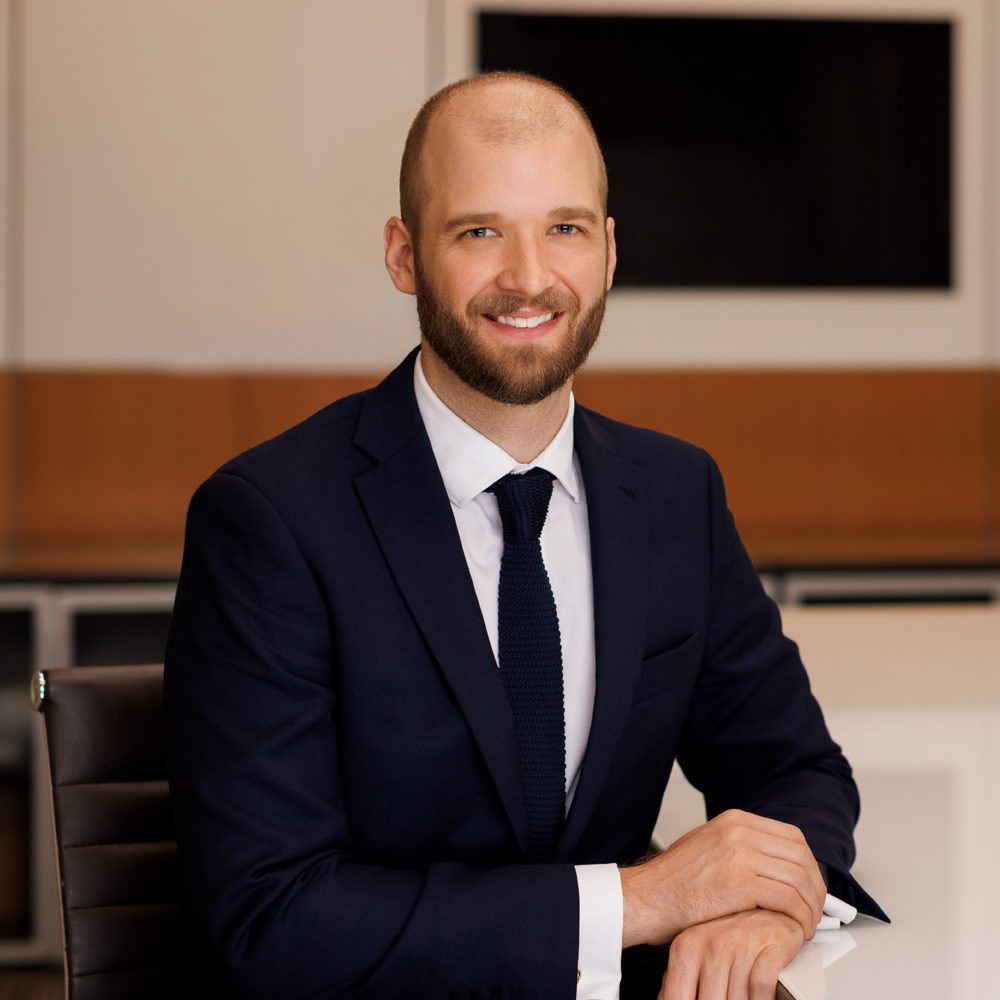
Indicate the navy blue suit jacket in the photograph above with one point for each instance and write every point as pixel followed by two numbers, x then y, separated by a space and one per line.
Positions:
pixel 343 767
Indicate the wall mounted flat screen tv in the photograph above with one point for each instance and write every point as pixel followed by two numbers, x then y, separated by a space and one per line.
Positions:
pixel 759 152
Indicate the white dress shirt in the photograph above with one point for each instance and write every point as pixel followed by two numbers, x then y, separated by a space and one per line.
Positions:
pixel 469 464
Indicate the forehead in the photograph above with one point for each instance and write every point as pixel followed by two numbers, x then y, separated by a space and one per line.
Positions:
pixel 505 147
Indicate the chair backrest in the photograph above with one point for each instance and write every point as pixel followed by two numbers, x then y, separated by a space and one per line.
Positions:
pixel 126 930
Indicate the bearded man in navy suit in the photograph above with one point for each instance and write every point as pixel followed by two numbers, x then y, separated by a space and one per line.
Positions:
pixel 357 791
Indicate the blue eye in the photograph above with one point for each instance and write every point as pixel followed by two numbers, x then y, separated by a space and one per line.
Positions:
pixel 479 232
pixel 566 228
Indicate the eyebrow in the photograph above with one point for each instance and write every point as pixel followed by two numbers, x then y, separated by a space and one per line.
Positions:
pixel 569 214
pixel 475 219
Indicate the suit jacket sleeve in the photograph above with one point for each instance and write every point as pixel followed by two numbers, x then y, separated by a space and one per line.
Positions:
pixel 755 738
pixel 262 823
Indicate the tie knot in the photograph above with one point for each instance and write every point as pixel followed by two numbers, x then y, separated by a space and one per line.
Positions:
pixel 524 503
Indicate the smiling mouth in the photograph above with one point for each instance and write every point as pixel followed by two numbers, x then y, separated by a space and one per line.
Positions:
pixel 524 322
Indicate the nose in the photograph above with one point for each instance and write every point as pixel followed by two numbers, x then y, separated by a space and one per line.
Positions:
pixel 525 269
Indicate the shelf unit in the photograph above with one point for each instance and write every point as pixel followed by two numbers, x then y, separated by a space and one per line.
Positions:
pixel 52 624
pixel 46 625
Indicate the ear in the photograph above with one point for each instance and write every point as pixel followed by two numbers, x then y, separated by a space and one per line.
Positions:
pixel 612 252
pixel 399 255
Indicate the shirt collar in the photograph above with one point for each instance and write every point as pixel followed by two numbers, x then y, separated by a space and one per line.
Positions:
pixel 470 463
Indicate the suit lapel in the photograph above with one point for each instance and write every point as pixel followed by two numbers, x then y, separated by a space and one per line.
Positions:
pixel 619 545
pixel 410 514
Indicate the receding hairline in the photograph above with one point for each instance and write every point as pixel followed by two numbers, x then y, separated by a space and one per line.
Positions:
pixel 519 113
pixel 540 105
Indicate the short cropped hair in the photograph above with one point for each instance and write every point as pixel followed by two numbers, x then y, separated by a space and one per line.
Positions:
pixel 413 193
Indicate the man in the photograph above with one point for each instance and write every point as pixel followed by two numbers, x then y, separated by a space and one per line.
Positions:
pixel 366 805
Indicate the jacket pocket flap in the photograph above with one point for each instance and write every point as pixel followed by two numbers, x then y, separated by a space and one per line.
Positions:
pixel 668 668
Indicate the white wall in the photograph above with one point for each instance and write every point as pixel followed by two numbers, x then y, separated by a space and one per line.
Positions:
pixel 206 183
pixel 205 186
pixel 679 328
pixel 992 127
pixel 6 346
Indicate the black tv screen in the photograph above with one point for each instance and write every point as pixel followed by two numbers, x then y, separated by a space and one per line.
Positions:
pixel 759 152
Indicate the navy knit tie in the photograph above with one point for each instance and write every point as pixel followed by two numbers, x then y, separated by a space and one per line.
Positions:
pixel 531 655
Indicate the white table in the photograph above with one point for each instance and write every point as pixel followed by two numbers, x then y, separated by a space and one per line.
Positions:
pixel 913 696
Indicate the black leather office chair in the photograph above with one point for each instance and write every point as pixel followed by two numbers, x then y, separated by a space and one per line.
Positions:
pixel 126 931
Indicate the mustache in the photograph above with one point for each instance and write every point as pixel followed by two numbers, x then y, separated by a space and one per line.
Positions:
pixel 550 300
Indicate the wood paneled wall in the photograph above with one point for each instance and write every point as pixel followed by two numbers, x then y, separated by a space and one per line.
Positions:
pixel 992 450
pixel 108 455
pixel 821 466
pixel 7 427
pixel 841 466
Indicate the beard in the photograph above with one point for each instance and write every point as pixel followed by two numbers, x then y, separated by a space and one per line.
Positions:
pixel 517 374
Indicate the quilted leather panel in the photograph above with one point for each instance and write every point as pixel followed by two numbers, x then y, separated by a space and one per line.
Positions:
pixel 103 939
pixel 92 713
pixel 126 812
pixel 117 874
pixel 128 933
pixel 125 984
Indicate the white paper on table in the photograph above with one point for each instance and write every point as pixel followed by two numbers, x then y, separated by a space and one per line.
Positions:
pixel 804 978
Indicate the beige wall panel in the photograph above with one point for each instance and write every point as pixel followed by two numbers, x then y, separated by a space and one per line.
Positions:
pixel 206 183
pixel 206 186
pixel 991 43
pixel 8 138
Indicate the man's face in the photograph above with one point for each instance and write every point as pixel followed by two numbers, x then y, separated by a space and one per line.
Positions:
pixel 514 259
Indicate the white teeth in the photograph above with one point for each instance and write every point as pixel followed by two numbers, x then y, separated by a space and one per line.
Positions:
pixel 525 322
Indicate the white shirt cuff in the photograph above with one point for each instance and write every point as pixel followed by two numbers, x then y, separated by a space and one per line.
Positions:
pixel 599 962
pixel 835 913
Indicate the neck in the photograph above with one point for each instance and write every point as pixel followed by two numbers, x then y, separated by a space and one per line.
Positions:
pixel 522 431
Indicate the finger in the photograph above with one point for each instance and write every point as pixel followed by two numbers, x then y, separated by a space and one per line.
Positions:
pixel 816 877
pixel 803 873
pixel 713 983
pixel 681 979
pixel 739 979
pixel 799 855
pixel 797 852
pixel 764 974
pixel 795 877
pixel 794 851
pixel 782 898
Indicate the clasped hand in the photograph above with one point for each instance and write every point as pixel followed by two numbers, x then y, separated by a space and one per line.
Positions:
pixel 737 896
pixel 731 958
